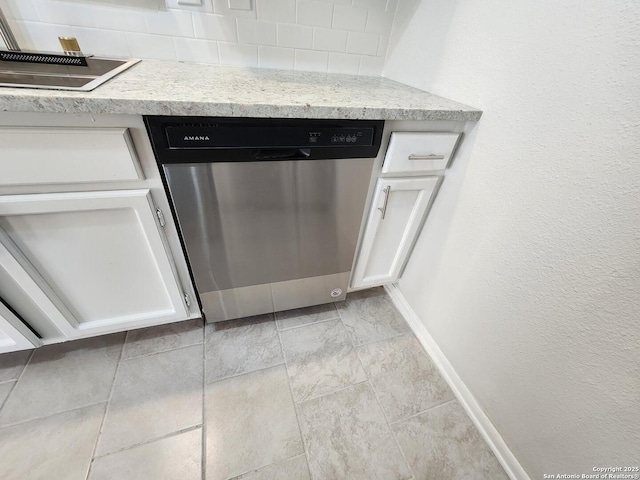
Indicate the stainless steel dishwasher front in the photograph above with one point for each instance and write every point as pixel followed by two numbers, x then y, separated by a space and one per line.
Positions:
pixel 269 210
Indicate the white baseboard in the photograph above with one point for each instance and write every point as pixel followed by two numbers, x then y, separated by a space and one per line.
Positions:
pixel 460 390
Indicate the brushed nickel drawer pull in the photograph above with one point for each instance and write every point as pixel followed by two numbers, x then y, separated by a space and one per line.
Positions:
pixel 426 157
pixel 386 200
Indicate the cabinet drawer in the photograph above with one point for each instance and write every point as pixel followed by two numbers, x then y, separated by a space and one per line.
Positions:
pixel 32 156
pixel 411 152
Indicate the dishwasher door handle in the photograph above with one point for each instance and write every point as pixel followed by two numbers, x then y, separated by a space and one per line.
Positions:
pixel 282 154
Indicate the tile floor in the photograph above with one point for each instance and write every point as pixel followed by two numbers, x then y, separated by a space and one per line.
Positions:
pixel 340 391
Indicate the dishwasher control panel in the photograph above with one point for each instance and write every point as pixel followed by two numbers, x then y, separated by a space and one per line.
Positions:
pixel 265 137
pixel 220 139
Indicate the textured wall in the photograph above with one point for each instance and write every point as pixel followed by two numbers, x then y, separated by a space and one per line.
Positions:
pixel 532 290
pixel 337 36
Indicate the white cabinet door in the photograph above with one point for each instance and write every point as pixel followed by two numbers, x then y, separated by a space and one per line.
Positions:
pixel 13 334
pixel 397 211
pixel 94 262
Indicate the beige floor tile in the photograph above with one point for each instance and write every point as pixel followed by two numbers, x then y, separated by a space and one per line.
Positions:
pixel 370 315
pixel 444 443
pixel 250 423
pixel 320 359
pixel 153 396
pixel 241 346
pixel 162 338
pixel 292 469
pixel 178 457
pixel 58 447
pixel 5 389
pixel 12 364
pixel 305 316
pixel 403 376
pixel 347 436
pixel 64 377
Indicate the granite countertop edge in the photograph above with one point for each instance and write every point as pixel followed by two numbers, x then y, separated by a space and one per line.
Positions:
pixel 168 88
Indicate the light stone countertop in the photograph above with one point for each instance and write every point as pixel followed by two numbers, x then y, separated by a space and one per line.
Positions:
pixel 171 88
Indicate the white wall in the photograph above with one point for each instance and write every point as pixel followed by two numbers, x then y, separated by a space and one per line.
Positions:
pixel 532 287
pixel 336 36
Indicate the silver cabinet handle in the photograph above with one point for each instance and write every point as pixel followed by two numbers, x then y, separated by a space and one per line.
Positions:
pixel 426 157
pixel 386 200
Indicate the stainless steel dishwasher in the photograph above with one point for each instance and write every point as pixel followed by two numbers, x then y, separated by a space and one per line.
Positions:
pixel 269 210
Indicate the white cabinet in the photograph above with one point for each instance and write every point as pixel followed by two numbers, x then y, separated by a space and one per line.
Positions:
pixel 398 209
pixel 13 334
pixel 92 262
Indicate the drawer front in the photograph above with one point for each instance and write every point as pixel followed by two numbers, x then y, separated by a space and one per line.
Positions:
pixel 419 152
pixel 32 156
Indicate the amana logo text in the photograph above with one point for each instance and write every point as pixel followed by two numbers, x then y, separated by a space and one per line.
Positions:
pixel 196 137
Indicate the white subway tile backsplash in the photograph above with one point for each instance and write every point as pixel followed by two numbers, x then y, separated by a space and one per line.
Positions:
pixel 372 4
pixel 329 40
pixel 311 61
pixel 383 45
pixel 196 50
pixel 316 14
pixel 205 6
pixel 238 54
pixel 276 57
pixel 371 66
pixel 214 27
pixel 379 22
pixel 296 36
pixel 20 10
pixel 42 36
pixel 111 18
pixel 362 43
pixel 221 7
pixel 336 2
pixel 177 23
pixel 63 13
pixel 283 11
pixel 240 4
pixel 144 45
pixel 344 63
pixel 340 36
pixel 256 32
pixel 391 7
pixel 104 43
pixel 353 19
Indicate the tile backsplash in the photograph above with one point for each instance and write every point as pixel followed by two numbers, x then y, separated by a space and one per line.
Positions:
pixel 335 36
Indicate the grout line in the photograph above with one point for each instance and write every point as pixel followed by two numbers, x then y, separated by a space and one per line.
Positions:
pixel 22 422
pixel 182 347
pixel 106 408
pixel 423 411
pixel 257 469
pixel 15 382
pixel 337 317
pixel 33 352
pixel 153 440
pixel 295 405
pixel 330 393
pixel 244 373
pixel 24 369
pixel 384 414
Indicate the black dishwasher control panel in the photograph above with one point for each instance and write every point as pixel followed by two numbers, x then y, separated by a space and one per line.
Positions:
pixel 213 139
pixel 266 137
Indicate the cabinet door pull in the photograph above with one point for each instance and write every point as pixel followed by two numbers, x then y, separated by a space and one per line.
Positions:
pixel 431 156
pixel 386 200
